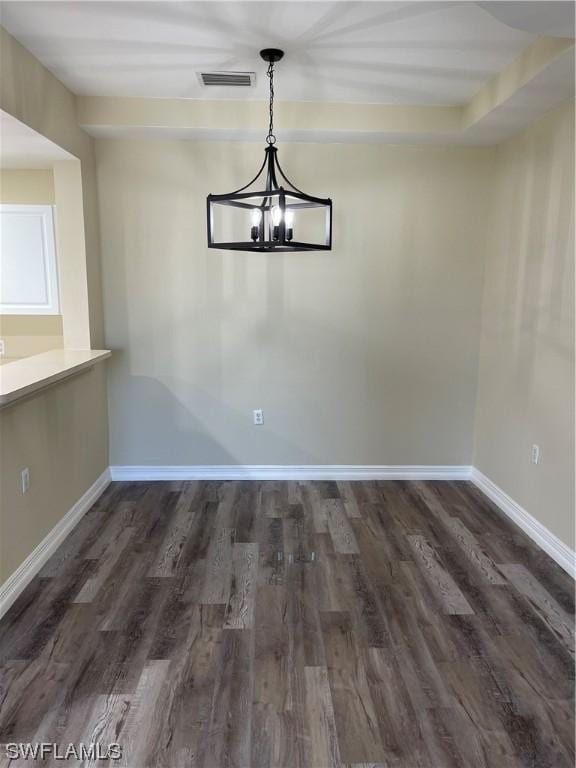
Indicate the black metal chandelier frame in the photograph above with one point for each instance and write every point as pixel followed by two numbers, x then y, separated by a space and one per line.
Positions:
pixel 272 229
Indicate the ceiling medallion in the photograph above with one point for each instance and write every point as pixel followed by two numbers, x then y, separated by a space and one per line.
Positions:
pixel 273 218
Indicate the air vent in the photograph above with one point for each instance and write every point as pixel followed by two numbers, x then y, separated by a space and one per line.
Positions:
pixel 235 79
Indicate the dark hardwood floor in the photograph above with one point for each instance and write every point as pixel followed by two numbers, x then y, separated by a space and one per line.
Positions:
pixel 261 624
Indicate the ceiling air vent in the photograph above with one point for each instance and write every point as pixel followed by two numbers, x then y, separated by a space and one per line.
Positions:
pixel 242 79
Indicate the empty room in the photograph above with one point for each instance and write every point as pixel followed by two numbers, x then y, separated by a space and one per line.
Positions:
pixel 287 384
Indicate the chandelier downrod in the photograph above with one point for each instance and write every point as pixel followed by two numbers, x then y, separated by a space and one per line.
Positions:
pixel 271 55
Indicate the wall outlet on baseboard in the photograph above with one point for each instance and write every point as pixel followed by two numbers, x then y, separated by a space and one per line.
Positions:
pixel 25 480
pixel 258 415
pixel 535 454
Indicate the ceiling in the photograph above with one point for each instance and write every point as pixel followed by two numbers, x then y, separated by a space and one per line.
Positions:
pixel 436 53
pixel 23 147
pixel 554 18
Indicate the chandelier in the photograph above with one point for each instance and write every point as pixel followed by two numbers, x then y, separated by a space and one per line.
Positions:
pixel 274 216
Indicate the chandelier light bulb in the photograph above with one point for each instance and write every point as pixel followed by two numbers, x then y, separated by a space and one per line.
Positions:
pixel 256 217
pixel 289 220
pixel 276 215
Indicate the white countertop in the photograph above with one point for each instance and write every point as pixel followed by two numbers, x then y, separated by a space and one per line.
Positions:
pixel 23 377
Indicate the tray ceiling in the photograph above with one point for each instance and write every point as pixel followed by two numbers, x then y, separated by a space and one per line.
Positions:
pixel 373 52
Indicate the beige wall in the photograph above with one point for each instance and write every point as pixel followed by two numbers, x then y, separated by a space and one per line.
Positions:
pixel 71 243
pixel 526 380
pixel 34 96
pixel 367 354
pixel 25 335
pixel 63 187
pixel 62 433
pixel 24 186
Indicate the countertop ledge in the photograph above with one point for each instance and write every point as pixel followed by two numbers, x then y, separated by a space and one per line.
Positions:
pixel 24 377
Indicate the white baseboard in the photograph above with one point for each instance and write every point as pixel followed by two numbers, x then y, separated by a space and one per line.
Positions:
pixel 23 575
pixel 292 472
pixel 551 544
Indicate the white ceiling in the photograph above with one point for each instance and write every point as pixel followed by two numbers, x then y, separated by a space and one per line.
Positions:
pixel 554 18
pixel 376 52
pixel 23 147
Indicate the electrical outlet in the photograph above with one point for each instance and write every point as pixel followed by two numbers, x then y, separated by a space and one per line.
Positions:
pixel 2 347
pixel 258 417
pixel 25 480
pixel 535 454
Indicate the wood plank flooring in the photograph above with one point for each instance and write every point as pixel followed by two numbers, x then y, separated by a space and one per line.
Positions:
pixel 295 625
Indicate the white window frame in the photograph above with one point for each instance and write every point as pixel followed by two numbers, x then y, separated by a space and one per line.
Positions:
pixel 52 304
